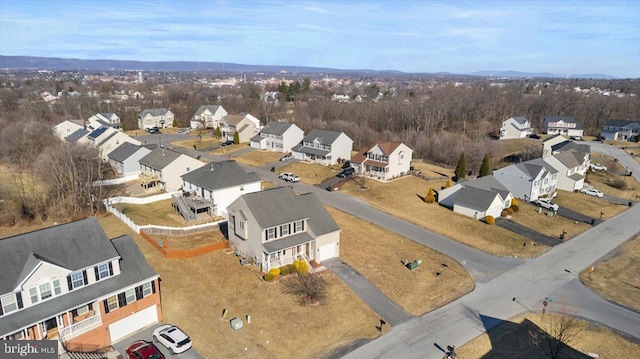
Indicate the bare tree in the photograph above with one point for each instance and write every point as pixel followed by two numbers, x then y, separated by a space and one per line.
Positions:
pixel 561 329
pixel 311 288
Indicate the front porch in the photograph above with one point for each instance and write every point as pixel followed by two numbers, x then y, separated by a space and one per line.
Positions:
pixel 287 255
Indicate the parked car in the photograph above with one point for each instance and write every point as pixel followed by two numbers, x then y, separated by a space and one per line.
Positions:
pixel 289 177
pixel 287 157
pixel 598 167
pixel 141 349
pixel 576 138
pixel 347 172
pixel 227 143
pixel 534 136
pixel 173 338
pixel 546 203
pixel 592 192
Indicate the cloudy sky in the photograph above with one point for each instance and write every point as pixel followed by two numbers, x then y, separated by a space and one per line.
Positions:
pixel 571 37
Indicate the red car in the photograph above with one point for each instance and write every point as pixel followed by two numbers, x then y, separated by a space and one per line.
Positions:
pixel 143 350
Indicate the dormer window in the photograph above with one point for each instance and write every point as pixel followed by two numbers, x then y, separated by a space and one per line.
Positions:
pixel 44 291
pixel 77 280
pixel 103 270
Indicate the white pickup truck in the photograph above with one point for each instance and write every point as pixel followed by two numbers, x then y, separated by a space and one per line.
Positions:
pixel 289 177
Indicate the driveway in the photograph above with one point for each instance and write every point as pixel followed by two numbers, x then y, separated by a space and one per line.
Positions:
pixel 375 299
pixel 567 213
pixel 145 334
pixel 526 232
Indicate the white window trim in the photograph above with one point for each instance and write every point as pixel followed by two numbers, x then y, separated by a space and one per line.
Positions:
pixel 6 303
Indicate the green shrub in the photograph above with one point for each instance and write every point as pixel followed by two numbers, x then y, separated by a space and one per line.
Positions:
pixel 504 213
pixel 292 268
pixel 275 272
pixel 284 270
pixel 489 219
pixel 515 207
pixel 269 277
pixel 301 266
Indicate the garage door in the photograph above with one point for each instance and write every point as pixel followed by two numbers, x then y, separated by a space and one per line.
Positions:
pixel 133 323
pixel 327 251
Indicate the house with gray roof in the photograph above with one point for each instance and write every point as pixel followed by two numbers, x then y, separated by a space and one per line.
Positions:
pixel 562 125
pixel 529 180
pixel 208 116
pixel 478 198
pixel 515 127
pixel 621 130
pixel 244 124
pixel 164 167
pixel 104 119
pixel 274 227
pixel 78 136
pixel 125 158
pixel 66 128
pixel 212 187
pixel 324 147
pixel 278 137
pixel 71 283
pixel 572 162
pixel 155 118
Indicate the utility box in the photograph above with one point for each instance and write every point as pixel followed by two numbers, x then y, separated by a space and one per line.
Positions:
pixel 236 324
pixel 414 265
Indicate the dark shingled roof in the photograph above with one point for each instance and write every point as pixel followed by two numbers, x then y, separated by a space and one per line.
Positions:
pixel 566 119
pixel 324 136
pixel 276 128
pixel 217 175
pixel 521 120
pixel 155 112
pixel 622 123
pixel 475 198
pixel 159 158
pixel 122 152
pixel 75 136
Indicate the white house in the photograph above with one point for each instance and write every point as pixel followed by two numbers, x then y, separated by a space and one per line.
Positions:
pixel 208 116
pixel 324 147
pixel 66 128
pixel 562 125
pixel 529 180
pixel 515 127
pixel 621 130
pixel 114 139
pixel 155 117
pixel 216 185
pixel 104 119
pixel 274 227
pixel 244 124
pixel 484 196
pixel 165 168
pixel 278 137
pixel 384 161
pixel 572 164
pixel 124 159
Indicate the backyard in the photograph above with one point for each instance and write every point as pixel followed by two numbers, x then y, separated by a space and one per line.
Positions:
pixel 159 213
pixel 258 158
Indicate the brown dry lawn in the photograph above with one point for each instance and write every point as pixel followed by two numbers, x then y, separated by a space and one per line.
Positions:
pixel 615 275
pixel 205 141
pixel 311 173
pixel 588 205
pixel 159 213
pixel 192 240
pixel 196 290
pixel 551 226
pixel 602 180
pixel 227 150
pixel 401 198
pixel 377 254
pixel 429 170
pixel 512 339
pixel 258 158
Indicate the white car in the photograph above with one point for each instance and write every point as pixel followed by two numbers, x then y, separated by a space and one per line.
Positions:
pixel 598 167
pixel 592 192
pixel 289 177
pixel 287 157
pixel 546 203
pixel 173 338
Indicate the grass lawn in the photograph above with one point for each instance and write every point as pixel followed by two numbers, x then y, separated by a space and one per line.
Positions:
pixel 311 173
pixel 553 226
pixel 588 205
pixel 258 158
pixel 601 181
pixel 280 327
pixel 512 339
pixel 159 213
pixel 401 198
pixel 191 240
pixel 429 170
pixel 226 150
pixel 615 275
pixel 418 291
pixel 206 141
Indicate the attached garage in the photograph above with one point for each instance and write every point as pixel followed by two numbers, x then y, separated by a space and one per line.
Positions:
pixel 133 323
pixel 329 250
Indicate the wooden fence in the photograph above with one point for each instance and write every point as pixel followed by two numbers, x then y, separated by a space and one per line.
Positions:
pixel 180 231
pixel 183 253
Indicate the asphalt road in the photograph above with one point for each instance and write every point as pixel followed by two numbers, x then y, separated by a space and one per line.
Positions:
pixel 624 159
pixel 527 232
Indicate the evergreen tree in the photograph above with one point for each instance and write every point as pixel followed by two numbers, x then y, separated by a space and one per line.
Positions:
pixel 218 132
pixel 236 138
pixel 461 169
pixel 306 84
pixel 175 123
pixel 485 168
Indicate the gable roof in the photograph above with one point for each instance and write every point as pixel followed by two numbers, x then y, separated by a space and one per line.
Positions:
pixel 566 119
pixel 520 119
pixel 124 151
pixel 388 147
pixel 570 159
pixel 325 137
pixel 75 136
pixel 475 198
pixel 622 123
pixel 488 183
pixel 74 246
pixel 218 175
pixel 534 167
pixel 276 128
pixel 203 108
pixel 109 136
pixel 97 132
pixel 159 158
pixel 155 112
pixel 233 120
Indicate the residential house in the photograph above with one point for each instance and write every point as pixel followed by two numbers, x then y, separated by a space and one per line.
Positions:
pixel 562 125
pixel 552 144
pixel 529 180
pixel 572 165
pixel 384 161
pixel 112 140
pixel 79 136
pixel 164 167
pixel 324 147
pixel 478 198
pixel 208 116
pixel 621 130
pixel 278 137
pixel 66 128
pixel 104 119
pixel 71 283
pixel 124 159
pixel 274 227
pixel 515 127
pixel 155 118
pixel 211 188
pixel 245 125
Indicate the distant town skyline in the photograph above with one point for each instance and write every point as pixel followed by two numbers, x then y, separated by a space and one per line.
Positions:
pixel 569 37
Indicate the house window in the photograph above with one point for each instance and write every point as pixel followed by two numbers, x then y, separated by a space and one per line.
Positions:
pixel 103 271
pixel 271 233
pixel 284 230
pixel 56 287
pixel 298 226
pixel 9 303
pixel 241 225
pixel 130 295
pixel 112 302
pixel 77 280
pixel 45 291
pixel 82 310
pixel 146 289
pixel 33 294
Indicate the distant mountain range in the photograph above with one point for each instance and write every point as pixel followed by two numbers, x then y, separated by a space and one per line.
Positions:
pixel 60 64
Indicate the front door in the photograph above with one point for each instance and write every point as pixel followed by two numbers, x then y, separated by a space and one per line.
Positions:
pixel 51 327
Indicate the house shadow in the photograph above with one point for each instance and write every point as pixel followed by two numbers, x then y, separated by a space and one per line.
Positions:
pixel 224 228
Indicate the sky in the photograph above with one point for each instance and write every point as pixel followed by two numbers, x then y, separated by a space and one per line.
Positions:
pixel 568 37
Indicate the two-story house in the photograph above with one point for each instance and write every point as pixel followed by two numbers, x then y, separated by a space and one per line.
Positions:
pixel 384 161
pixel 274 227
pixel 562 125
pixel 71 283
pixel 155 117
pixel 244 124
pixel 66 128
pixel 211 188
pixel 208 116
pixel 125 158
pixel 572 164
pixel 515 127
pixel 278 137
pixel 529 180
pixel 478 198
pixel 104 119
pixel 164 167
pixel 621 130
pixel 324 147
pixel 112 140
